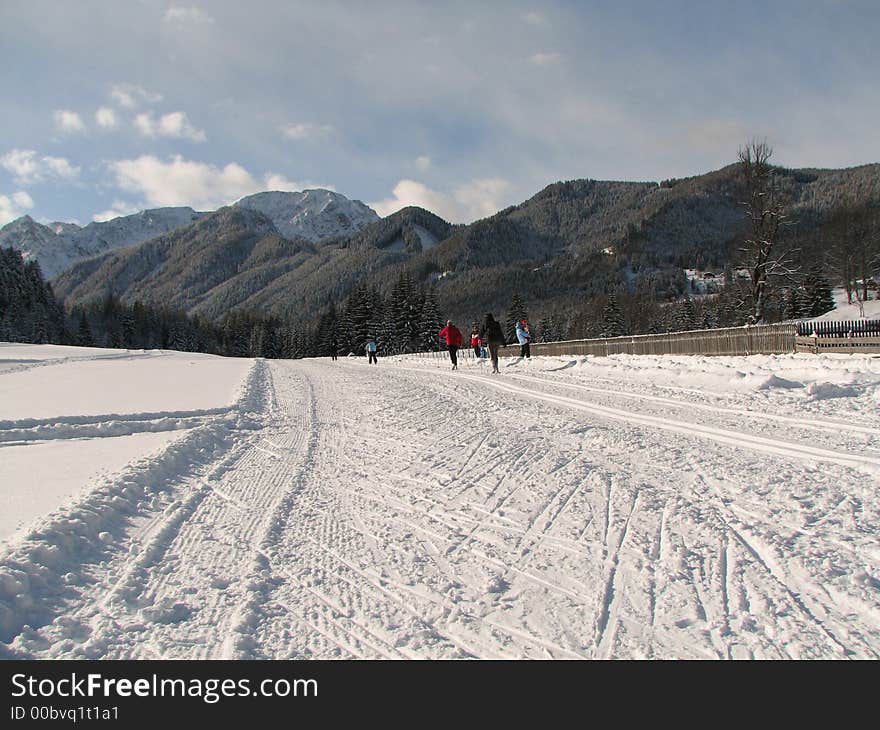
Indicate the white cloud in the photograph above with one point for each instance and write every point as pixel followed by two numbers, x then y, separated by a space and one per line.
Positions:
pixel 119 208
pixel 23 200
pixel 131 96
pixel 175 125
pixel 196 184
pixel 423 162
pixel 466 203
pixel 29 168
pixel 14 207
pixel 187 15
pixel 68 121
pixel 305 131
pixel 183 182
pixel 105 117
pixel 278 181
pixel 544 59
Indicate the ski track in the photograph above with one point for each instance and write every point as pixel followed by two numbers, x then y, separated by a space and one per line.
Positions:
pixel 391 512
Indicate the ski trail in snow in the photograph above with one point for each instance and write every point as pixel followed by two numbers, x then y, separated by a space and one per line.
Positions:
pixel 799 421
pixel 767 445
pixel 342 511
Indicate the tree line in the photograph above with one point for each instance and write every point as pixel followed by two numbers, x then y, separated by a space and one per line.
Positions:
pixel 404 320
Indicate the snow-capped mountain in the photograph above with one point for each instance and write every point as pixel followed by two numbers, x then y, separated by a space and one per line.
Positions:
pixel 31 238
pixel 60 245
pixel 311 214
pixel 62 227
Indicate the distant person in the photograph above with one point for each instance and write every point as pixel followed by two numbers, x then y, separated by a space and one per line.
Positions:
pixel 476 342
pixel 453 338
pixel 524 336
pixel 334 349
pixel 492 334
pixel 371 349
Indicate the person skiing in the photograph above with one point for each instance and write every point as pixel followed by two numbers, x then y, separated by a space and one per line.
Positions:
pixel 476 342
pixel 334 349
pixel 524 336
pixel 453 338
pixel 371 351
pixel 492 334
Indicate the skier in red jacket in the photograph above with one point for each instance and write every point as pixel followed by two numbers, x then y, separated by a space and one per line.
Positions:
pixel 476 343
pixel 453 338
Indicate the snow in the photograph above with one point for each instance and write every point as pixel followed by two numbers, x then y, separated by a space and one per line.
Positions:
pixel 570 507
pixel 40 477
pixel 126 382
pixel 60 245
pixel 844 311
pixel 427 239
pixel 311 214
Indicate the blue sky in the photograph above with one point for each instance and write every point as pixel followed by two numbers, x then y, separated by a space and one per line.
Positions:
pixel 464 108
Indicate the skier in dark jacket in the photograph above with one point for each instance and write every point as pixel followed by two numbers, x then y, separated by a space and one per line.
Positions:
pixel 492 334
pixel 453 338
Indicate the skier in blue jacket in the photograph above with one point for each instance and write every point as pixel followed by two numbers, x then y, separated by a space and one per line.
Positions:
pixel 524 335
pixel 371 351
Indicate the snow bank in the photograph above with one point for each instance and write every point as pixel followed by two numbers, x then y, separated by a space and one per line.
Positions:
pixel 42 566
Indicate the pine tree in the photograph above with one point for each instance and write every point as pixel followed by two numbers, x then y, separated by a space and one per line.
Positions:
pixel 380 325
pixel 516 312
pixel 612 320
pixel 544 334
pixel 793 299
pixel 429 323
pixel 686 316
pixel 84 337
pixel 818 292
pixel 406 306
pixel 327 334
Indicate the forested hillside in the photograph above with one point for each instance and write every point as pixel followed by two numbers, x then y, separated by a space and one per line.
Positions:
pixel 569 252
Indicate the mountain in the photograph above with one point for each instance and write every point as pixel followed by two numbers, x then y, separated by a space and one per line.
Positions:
pixel 31 238
pixel 571 242
pixel 66 228
pixel 59 245
pixel 235 257
pixel 311 214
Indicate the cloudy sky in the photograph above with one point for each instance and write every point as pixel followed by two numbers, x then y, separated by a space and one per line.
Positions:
pixel 111 106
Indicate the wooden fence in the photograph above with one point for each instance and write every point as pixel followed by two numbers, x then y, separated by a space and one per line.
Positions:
pixel 765 339
pixel 770 339
pixel 848 336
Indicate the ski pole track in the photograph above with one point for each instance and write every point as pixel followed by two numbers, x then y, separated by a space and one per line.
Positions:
pixel 221 532
pixel 150 582
pixel 723 612
pixel 318 537
pixel 505 566
pixel 842 436
pixel 781 447
pixel 394 513
pixel 801 596
pixel 832 427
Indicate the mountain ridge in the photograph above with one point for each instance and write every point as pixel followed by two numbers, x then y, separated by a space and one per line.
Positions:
pixel 571 241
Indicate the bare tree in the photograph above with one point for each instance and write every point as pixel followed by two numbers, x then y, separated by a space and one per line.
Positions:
pixel 765 209
pixel 852 248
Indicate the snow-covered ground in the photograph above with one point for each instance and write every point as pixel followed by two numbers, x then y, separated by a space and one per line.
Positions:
pixel 620 507
pixel 843 310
